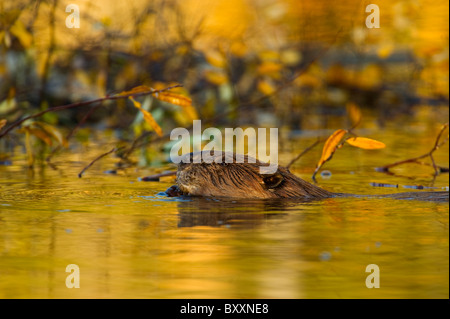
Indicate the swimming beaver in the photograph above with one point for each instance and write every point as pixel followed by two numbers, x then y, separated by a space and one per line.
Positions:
pixel 242 179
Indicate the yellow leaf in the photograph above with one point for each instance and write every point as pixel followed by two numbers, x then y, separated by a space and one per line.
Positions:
pixel 354 113
pixel 269 55
pixel 216 77
pixel 148 117
pixel 137 89
pixel 308 80
pixel 19 30
pixel 369 78
pixel 181 100
pixel 290 57
pixel 266 87
pixel 239 49
pixel 2 123
pixel 51 131
pixel 39 134
pixel 337 74
pixel 215 58
pixel 191 112
pixel 330 146
pixel 270 68
pixel 106 21
pixel 7 39
pixel 162 85
pixel 385 51
pixel 174 98
pixel 183 49
pixel 365 143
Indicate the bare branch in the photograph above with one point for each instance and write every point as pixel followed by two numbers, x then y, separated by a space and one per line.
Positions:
pixel 303 152
pixel 97 158
pixel 436 146
pixel 84 103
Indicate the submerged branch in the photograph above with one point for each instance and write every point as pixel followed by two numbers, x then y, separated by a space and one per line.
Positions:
pixel 156 177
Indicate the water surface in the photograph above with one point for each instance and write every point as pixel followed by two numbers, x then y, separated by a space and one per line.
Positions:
pixel 131 242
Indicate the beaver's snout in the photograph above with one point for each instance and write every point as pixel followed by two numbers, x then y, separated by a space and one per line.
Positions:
pixel 189 180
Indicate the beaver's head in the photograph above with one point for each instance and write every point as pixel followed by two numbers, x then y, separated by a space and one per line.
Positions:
pixel 232 175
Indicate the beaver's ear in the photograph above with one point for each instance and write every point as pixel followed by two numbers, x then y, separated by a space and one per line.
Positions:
pixel 273 181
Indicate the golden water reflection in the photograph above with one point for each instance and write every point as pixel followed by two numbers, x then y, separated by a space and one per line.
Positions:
pixel 130 242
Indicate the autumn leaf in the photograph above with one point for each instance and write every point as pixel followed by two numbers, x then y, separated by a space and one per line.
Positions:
pixel 330 145
pixel 44 132
pixel 215 58
pixel 270 68
pixel 148 117
pixel 137 89
pixel 385 50
pixel 266 87
pixel 21 32
pixel 180 100
pixel 354 113
pixel 329 148
pixel 365 143
pixel 51 131
pixel 308 80
pixel 174 98
pixel 216 77
pixel 239 49
pixel 39 134
pixel 2 123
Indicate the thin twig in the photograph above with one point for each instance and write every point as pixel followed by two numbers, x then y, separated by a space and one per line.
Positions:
pixel 97 158
pixel 134 145
pixel 304 152
pixel 436 146
pixel 83 120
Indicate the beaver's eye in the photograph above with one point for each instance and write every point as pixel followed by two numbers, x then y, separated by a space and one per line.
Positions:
pixel 273 181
